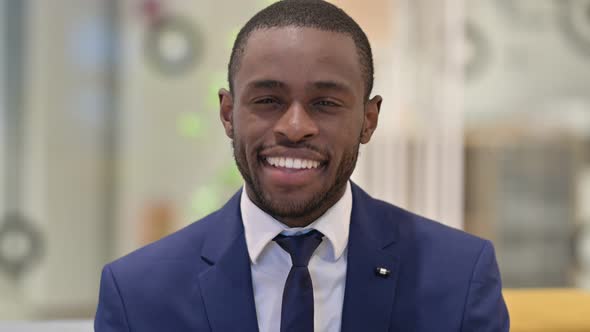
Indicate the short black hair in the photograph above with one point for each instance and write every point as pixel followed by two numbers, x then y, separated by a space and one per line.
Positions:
pixel 309 14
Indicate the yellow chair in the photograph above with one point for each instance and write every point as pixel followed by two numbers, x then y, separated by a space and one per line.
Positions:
pixel 548 310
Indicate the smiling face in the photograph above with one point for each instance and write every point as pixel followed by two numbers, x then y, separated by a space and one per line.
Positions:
pixel 296 118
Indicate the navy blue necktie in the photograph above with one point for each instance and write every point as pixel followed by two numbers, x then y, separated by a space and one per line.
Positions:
pixel 297 309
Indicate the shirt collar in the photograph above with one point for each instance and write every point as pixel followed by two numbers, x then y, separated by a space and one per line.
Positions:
pixel 260 228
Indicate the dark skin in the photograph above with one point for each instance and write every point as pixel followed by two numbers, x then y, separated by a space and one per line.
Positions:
pixel 298 93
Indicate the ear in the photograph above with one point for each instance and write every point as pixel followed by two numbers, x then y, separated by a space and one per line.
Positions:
pixel 226 109
pixel 371 115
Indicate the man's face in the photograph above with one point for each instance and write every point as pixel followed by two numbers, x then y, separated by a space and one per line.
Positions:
pixel 296 118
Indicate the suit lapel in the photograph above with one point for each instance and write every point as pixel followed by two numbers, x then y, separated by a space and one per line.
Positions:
pixel 368 296
pixel 226 287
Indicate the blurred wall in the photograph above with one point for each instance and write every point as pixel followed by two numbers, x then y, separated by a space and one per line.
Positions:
pixel 63 158
pixel 528 132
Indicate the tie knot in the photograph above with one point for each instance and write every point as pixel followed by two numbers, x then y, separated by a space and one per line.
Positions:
pixel 300 247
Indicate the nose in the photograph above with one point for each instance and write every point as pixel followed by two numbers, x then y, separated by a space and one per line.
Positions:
pixel 296 125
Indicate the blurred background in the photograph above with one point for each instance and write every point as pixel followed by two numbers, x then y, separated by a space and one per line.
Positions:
pixel 110 136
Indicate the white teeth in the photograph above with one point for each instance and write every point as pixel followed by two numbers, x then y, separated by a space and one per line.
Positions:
pixel 294 163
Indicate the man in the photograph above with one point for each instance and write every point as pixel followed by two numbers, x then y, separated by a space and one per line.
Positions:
pixel 301 248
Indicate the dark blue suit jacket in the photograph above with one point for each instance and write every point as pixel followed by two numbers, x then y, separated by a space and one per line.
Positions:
pixel 198 279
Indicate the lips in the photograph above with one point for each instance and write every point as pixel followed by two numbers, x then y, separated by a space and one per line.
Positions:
pixel 292 167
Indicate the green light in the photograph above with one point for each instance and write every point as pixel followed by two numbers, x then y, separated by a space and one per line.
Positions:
pixel 216 81
pixel 230 176
pixel 190 125
pixel 205 200
pixel 231 38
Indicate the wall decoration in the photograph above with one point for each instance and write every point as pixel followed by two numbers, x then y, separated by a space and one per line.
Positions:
pixel 173 45
pixel 20 245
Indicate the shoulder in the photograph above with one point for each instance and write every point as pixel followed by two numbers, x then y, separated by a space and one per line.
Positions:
pixel 435 236
pixel 437 249
pixel 422 235
pixel 157 278
pixel 181 246
pixel 441 267
pixel 186 245
pixel 429 248
pixel 439 236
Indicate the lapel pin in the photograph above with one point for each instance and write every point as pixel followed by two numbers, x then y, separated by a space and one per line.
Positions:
pixel 382 272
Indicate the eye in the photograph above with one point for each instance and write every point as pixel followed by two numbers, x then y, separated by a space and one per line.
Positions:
pixel 266 100
pixel 326 103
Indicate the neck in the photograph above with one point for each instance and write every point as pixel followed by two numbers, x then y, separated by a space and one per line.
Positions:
pixel 306 218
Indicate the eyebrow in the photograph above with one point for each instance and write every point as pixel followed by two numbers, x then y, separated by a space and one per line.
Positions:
pixel 320 85
pixel 266 84
pixel 331 85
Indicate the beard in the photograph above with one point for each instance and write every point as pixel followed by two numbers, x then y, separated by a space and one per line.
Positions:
pixel 283 209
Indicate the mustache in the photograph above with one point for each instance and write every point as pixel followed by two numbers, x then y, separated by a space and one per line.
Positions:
pixel 302 146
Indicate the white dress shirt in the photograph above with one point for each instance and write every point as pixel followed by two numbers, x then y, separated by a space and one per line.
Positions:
pixel 270 264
